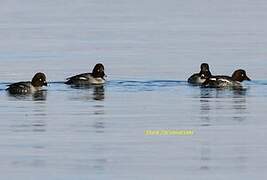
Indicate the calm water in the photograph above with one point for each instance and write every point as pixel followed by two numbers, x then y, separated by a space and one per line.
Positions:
pixel 149 49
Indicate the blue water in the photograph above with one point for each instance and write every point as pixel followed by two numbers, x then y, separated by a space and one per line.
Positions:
pixel 98 132
pixel 149 49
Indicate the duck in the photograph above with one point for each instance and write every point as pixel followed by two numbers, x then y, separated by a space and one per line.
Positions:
pixel 28 87
pixel 222 81
pixel 201 77
pixel 97 77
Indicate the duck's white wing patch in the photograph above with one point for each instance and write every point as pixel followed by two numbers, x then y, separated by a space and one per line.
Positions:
pixel 82 78
pixel 23 86
pixel 224 80
pixel 213 79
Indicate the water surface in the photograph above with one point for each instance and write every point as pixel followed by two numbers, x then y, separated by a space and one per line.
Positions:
pixel 149 48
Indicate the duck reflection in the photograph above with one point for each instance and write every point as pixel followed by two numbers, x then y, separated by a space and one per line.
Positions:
pixel 33 117
pixel 36 96
pixel 205 156
pixel 97 92
pixel 39 95
pixel 205 108
pixel 220 103
pixel 222 93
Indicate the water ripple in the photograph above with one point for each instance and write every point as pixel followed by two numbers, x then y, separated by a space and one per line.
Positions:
pixel 132 85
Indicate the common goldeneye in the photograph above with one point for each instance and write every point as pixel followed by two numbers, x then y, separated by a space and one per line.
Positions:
pixel 96 77
pixel 27 87
pixel 226 81
pixel 200 78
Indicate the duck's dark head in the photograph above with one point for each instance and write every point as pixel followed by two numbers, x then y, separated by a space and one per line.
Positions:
pixel 204 67
pixel 205 70
pixel 240 75
pixel 39 80
pixel 98 71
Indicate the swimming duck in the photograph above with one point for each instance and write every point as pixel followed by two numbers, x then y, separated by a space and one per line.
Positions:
pixel 27 87
pixel 96 77
pixel 200 78
pixel 226 81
